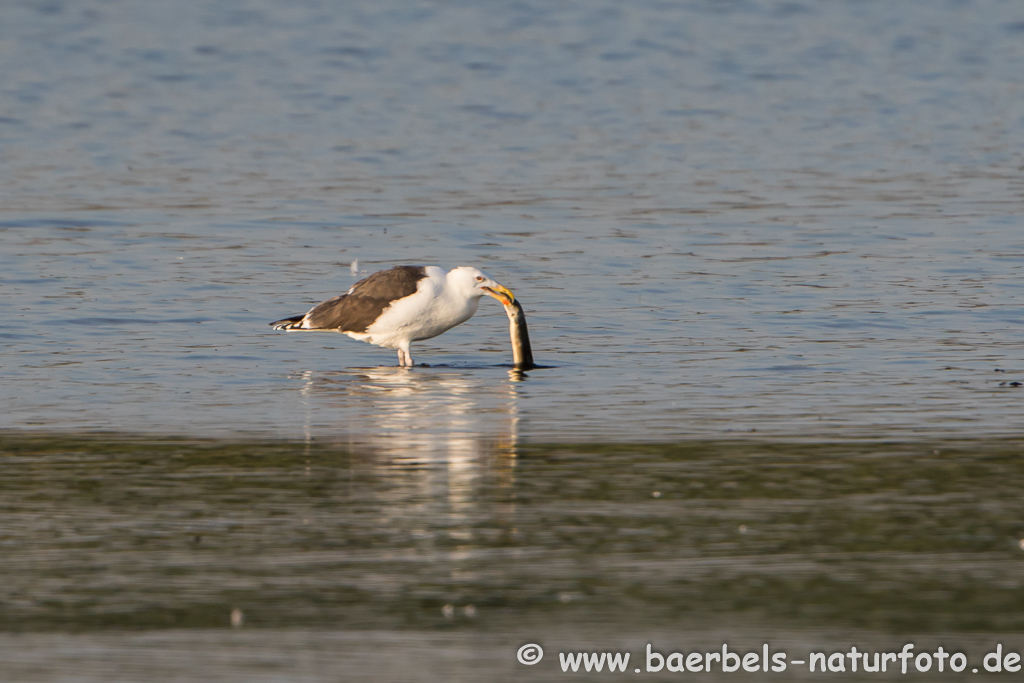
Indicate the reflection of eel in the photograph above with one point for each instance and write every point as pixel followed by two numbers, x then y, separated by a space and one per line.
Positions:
pixel 522 354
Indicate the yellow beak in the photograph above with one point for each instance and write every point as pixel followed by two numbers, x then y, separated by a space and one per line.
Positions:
pixel 501 294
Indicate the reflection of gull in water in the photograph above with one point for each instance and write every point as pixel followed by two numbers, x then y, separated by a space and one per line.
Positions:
pixel 438 436
pixel 437 415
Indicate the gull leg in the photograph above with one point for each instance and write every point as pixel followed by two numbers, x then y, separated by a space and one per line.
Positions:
pixel 405 357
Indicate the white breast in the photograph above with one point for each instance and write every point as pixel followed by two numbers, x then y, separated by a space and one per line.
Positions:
pixel 432 310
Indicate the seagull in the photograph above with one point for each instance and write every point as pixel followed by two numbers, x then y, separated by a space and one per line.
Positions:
pixel 395 307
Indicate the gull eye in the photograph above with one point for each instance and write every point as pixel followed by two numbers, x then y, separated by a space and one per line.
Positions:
pixel 479 278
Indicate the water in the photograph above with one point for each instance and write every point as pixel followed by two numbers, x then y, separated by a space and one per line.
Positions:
pixel 733 225
pixel 124 559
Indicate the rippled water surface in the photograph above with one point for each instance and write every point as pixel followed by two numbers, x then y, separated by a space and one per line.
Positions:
pixel 126 558
pixel 739 230
pixel 720 216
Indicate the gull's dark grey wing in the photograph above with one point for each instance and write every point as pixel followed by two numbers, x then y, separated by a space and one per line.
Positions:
pixel 362 305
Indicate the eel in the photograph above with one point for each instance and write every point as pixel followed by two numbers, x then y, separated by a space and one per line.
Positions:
pixel 522 352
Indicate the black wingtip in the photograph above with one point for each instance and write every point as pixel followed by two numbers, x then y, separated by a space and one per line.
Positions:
pixel 287 323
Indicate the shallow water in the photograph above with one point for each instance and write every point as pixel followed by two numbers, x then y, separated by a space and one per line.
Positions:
pixel 773 236
pixel 721 217
pixel 343 560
